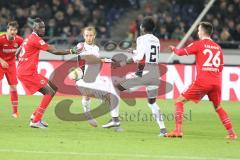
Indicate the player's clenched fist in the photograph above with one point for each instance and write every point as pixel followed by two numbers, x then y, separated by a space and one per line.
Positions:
pixel 3 63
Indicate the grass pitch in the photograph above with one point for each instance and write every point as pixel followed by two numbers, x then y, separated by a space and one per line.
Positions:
pixel 203 134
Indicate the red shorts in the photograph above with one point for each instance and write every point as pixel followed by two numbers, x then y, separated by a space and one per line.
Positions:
pixel 196 92
pixel 10 73
pixel 33 82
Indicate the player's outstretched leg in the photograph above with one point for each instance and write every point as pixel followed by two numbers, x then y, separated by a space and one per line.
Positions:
pixel 226 122
pixel 48 91
pixel 177 132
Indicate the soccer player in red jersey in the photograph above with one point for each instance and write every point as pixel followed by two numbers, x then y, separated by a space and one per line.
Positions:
pixel 9 43
pixel 209 64
pixel 27 70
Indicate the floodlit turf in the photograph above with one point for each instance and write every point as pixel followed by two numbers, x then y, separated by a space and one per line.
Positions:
pixel 203 134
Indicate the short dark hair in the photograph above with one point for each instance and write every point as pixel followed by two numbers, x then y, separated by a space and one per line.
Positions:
pixel 12 24
pixel 148 24
pixel 207 27
pixel 38 20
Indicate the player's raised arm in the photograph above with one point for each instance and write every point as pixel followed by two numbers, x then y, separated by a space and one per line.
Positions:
pixel 192 48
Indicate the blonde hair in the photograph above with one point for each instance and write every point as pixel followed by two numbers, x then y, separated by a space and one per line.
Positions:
pixel 90 28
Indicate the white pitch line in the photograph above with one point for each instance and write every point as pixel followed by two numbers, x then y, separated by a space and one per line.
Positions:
pixel 117 155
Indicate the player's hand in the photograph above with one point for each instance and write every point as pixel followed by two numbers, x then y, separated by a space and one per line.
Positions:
pixel 172 48
pixel 74 50
pixel 4 63
pixel 106 60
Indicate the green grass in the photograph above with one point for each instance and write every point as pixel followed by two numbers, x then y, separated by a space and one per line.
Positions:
pixel 203 134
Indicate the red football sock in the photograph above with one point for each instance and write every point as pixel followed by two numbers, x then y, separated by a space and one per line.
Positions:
pixel 179 116
pixel 41 108
pixel 225 119
pixel 14 101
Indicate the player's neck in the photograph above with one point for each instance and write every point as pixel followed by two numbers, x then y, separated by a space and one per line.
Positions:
pixel 90 44
pixel 35 33
pixel 206 37
pixel 146 33
pixel 9 39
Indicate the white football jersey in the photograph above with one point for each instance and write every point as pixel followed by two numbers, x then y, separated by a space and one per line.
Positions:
pixel 148 45
pixel 89 49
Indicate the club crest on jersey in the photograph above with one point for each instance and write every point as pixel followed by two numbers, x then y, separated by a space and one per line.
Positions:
pixel 42 81
pixel 15 45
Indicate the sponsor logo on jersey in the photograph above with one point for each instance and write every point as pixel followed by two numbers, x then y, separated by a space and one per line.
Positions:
pixel 5 45
pixel 9 50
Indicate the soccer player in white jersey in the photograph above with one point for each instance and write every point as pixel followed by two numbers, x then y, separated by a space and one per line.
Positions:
pixel 146 56
pixel 92 84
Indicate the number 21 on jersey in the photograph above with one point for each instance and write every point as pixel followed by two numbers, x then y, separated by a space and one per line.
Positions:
pixel 154 53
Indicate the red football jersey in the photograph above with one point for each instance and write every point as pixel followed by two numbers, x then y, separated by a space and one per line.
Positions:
pixel 29 55
pixel 9 48
pixel 209 59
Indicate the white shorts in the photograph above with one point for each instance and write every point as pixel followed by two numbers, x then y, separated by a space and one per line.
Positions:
pixel 100 87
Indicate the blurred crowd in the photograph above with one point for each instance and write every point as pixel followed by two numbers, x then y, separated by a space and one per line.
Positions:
pixel 175 17
pixel 65 18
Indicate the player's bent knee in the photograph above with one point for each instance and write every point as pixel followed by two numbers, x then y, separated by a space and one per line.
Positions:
pixel 53 86
pixel 181 99
pixel 48 90
pixel 86 98
pixel 120 88
pixel 13 87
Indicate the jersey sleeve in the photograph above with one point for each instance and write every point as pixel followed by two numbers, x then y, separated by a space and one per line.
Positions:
pixel 192 48
pixel 20 41
pixel 97 48
pixel 139 53
pixel 41 44
pixel 1 41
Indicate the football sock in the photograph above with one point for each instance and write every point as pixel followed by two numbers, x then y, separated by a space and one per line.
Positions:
pixel 225 120
pixel 86 105
pixel 179 116
pixel 42 107
pixel 157 114
pixel 14 101
pixel 114 106
pixel 115 119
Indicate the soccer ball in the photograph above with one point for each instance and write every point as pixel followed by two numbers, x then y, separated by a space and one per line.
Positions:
pixel 75 74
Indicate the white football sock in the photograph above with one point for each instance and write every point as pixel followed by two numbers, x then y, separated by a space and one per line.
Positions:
pixel 115 105
pixel 86 105
pixel 157 114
